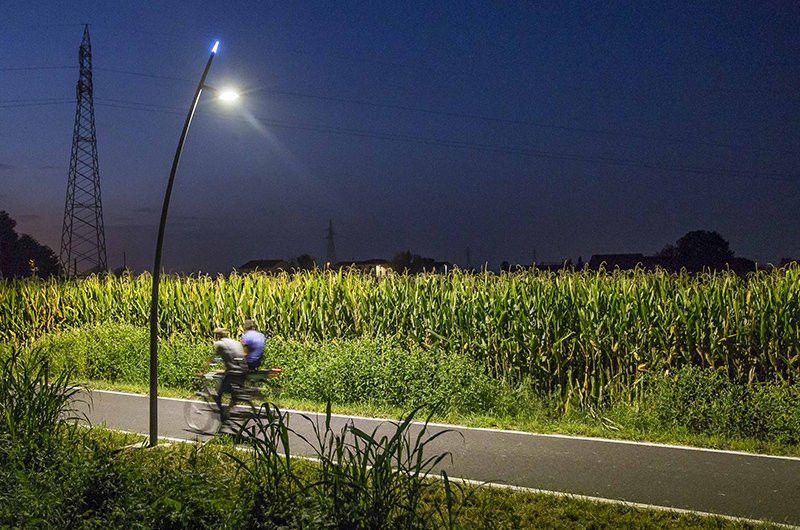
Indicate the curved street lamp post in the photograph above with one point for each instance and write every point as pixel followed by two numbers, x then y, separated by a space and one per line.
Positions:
pixel 228 96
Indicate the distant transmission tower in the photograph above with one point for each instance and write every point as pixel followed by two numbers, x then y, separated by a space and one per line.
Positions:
pixel 83 240
pixel 331 251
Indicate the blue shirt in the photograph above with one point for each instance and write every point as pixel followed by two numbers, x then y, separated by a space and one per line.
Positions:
pixel 254 340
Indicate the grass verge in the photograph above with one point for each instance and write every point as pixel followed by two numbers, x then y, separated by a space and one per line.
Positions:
pixel 108 484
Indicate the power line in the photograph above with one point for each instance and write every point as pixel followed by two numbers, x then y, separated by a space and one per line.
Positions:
pixel 143 74
pixel 543 125
pixel 383 135
pixel 481 117
pixel 536 153
pixel 456 114
pixel 26 68
pixel 35 104
pixel 379 60
pixel 522 151
pixel 33 100
pixel 138 104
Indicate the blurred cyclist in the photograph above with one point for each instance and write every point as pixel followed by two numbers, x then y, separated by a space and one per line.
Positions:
pixel 253 342
pixel 232 354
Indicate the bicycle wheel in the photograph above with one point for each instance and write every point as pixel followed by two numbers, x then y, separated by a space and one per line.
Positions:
pixel 202 416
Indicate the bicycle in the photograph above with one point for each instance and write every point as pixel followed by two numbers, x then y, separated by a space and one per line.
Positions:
pixel 203 415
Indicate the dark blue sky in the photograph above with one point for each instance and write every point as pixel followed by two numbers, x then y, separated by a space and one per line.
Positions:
pixel 555 128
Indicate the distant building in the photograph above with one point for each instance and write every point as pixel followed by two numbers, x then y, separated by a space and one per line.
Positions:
pixel 272 266
pixel 381 267
pixel 377 267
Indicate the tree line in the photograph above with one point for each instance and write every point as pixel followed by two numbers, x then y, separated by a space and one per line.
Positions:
pixel 21 255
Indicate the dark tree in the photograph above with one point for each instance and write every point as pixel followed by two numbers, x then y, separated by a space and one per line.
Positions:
pixel 37 259
pixel 8 243
pixel 23 256
pixel 412 263
pixel 305 262
pixel 402 261
pixel 698 250
pixel 668 252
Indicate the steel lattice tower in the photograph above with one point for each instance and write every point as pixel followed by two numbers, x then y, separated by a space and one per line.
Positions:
pixel 83 240
pixel 331 250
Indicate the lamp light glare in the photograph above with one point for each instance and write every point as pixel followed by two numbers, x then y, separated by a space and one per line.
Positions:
pixel 216 46
pixel 228 94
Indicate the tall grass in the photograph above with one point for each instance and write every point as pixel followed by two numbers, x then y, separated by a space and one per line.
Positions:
pixel 585 335
pixel 370 480
pixel 342 371
pixel 32 404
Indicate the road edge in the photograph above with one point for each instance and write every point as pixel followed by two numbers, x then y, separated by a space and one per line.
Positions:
pixel 455 426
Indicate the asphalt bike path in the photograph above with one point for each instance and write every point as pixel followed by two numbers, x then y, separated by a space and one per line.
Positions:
pixel 705 480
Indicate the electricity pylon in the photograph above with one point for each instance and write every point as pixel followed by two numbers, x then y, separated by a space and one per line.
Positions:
pixel 331 250
pixel 83 240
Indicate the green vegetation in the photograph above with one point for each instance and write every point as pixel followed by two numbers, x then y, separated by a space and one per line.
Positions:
pixel 710 358
pixel 584 336
pixel 379 377
pixel 55 474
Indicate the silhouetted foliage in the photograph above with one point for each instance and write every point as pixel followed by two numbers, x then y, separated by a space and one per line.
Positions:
pixel 668 252
pixel 412 263
pixel 305 262
pixel 697 250
pixel 23 256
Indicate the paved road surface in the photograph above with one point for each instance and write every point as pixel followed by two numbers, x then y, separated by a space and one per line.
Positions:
pixel 728 483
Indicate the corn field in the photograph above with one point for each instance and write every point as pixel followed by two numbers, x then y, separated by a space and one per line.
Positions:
pixel 586 334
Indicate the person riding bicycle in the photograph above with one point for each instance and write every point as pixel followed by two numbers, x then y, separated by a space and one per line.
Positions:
pixel 232 355
pixel 253 342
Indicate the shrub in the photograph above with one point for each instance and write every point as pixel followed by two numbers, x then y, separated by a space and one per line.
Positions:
pixel 120 353
pixel 707 401
pixel 382 372
pixel 774 413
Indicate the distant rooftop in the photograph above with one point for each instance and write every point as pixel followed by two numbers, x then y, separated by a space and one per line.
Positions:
pixel 266 265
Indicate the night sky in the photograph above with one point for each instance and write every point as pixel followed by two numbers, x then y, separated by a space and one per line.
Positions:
pixel 551 129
